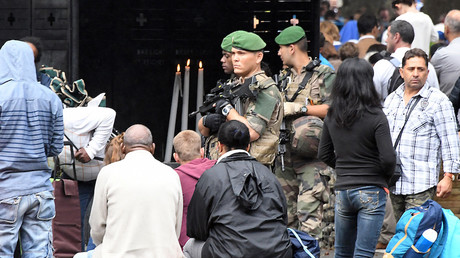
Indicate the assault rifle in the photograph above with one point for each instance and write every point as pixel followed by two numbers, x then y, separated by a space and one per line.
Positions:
pixel 284 135
pixel 230 91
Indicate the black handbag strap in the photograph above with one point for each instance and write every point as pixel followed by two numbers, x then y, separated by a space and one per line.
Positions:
pixel 405 122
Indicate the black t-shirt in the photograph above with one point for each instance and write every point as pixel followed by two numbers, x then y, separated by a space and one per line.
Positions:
pixel 363 154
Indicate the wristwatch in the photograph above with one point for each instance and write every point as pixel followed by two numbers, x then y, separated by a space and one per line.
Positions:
pixel 450 175
pixel 304 109
pixel 226 110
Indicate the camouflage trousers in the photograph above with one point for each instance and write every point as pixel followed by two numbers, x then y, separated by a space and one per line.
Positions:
pixel 401 203
pixel 304 184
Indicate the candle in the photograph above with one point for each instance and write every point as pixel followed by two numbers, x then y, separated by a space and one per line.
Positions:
pixel 172 115
pixel 199 92
pixel 185 97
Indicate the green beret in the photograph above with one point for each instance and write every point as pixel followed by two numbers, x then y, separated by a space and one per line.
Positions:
pixel 227 41
pixel 248 41
pixel 290 35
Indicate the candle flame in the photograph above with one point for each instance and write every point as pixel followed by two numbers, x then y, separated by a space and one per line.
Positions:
pixel 188 62
pixel 178 67
pixel 200 64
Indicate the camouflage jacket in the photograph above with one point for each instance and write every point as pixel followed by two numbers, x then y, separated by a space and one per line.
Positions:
pixel 317 90
pixel 264 116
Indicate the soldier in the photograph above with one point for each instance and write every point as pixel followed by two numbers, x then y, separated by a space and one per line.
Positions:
pixel 262 111
pixel 213 121
pixel 305 86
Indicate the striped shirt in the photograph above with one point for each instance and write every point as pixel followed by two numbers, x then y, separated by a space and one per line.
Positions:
pixel 429 136
pixel 31 125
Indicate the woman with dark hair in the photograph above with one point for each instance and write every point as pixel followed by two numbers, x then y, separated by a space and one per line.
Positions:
pixel 356 142
pixel 238 208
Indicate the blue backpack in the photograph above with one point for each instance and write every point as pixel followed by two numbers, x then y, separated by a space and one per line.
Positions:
pixel 411 227
pixel 303 245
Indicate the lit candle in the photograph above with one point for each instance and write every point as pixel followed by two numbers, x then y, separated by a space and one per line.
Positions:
pixel 185 97
pixel 172 115
pixel 199 92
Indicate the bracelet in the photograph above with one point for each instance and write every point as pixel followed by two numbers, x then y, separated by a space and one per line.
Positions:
pixel 450 175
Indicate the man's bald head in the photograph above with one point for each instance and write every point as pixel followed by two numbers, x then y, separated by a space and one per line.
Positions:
pixel 452 21
pixel 137 136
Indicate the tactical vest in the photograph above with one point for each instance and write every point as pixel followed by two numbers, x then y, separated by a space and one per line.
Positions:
pixel 264 149
pixel 211 149
pixel 305 131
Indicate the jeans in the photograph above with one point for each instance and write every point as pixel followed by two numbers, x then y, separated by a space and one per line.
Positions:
pixel 359 216
pixel 29 216
pixel 86 193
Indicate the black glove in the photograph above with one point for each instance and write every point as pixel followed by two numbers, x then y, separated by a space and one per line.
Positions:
pixel 220 104
pixel 213 122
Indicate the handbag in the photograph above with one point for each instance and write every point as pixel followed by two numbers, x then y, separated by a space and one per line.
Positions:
pixel 67 223
pixel 398 168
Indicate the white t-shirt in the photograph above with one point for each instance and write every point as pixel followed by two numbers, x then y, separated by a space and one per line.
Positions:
pixel 423 28
pixel 90 128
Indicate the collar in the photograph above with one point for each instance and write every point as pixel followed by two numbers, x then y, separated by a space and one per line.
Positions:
pixel 366 37
pixel 138 153
pixel 304 68
pixel 423 92
pixel 455 41
pixel 231 153
pixel 399 53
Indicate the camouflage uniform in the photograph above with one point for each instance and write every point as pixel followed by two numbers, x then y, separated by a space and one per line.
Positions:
pixel 264 116
pixel 211 150
pixel 304 180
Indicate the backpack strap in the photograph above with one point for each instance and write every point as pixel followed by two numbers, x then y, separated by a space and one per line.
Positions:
pixel 301 243
pixel 395 62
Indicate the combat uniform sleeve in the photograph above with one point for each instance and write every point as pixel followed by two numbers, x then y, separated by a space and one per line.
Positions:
pixel 198 213
pixel 326 148
pixel 57 138
pixel 326 87
pixel 259 112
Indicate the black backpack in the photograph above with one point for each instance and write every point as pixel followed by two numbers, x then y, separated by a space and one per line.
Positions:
pixel 395 80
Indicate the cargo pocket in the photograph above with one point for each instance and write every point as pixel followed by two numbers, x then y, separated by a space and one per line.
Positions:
pixel 47 209
pixel 9 209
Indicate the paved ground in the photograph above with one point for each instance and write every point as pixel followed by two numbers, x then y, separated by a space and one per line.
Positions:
pixel 330 253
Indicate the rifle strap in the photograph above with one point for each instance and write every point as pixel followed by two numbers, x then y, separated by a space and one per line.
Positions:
pixel 301 86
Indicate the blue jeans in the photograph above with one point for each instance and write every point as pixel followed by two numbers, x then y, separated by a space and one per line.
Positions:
pixel 29 216
pixel 86 193
pixel 359 216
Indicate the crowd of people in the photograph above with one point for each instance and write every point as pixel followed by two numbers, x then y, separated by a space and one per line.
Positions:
pixel 314 136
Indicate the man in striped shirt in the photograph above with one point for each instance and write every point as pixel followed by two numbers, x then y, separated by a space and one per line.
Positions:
pixel 428 136
pixel 31 129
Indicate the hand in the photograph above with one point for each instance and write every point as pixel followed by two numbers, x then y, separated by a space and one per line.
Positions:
pixel 444 188
pixel 292 108
pixel 213 122
pixel 82 156
pixel 220 104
